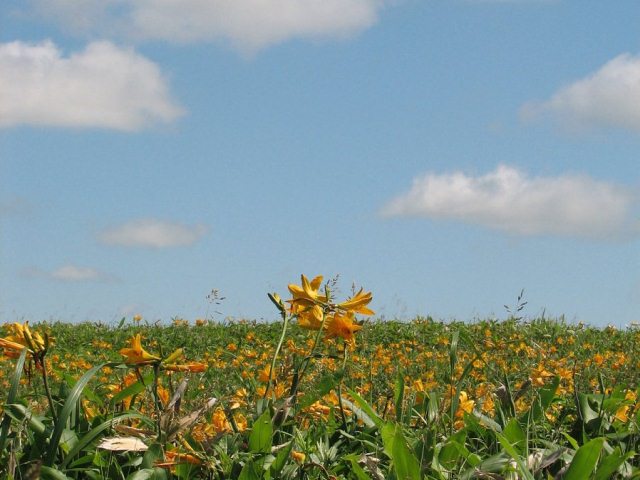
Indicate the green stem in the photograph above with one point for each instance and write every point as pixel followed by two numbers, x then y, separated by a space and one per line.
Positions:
pixel 344 367
pixel 306 360
pixel 45 381
pixel 285 324
pixel 156 398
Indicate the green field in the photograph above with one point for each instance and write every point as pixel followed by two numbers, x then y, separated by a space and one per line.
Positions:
pixel 419 399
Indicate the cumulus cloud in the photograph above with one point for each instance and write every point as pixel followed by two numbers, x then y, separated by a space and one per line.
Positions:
pixel 247 24
pixel 70 273
pixel 102 86
pixel 508 200
pixel 152 233
pixel 609 97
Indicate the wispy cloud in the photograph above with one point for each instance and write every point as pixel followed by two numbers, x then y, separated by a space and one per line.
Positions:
pixel 247 24
pixel 152 233
pixel 102 86
pixel 70 273
pixel 609 97
pixel 509 200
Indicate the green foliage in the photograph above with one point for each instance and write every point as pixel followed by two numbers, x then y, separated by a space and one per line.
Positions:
pixel 409 400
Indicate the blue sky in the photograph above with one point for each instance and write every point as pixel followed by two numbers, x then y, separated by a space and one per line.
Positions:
pixel 444 154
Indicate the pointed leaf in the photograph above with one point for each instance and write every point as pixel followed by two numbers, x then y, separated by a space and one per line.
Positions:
pixel 261 433
pixel 585 459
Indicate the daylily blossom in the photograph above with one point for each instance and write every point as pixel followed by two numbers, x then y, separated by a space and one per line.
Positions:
pixel 358 303
pixel 137 354
pixel 22 337
pixel 342 325
pixel 312 308
pixel 307 295
pixel 311 318
pixel 194 367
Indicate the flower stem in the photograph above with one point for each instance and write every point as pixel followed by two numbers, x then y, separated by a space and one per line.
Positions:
pixel 285 324
pixel 344 367
pixel 45 381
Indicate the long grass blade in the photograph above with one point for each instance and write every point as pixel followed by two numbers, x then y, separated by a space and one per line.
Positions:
pixel 67 409
pixel 11 397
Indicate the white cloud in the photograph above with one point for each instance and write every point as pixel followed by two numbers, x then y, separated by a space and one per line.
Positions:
pixel 102 86
pixel 152 233
pixel 609 97
pixel 247 24
pixel 70 273
pixel 73 273
pixel 508 200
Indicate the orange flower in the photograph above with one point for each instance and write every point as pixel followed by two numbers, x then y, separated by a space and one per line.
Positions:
pixel 465 404
pixel 311 318
pixel 174 458
pixel 342 325
pixel 194 367
pixel 539 374
pixel 137 354
pixel 22 337
pixel 298 456
pixel 307 295
pixel 358 303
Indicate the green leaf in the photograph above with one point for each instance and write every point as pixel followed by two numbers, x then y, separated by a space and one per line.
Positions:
pixel 20 413
pixel 133 389
pixel 514 434
pixel 487 422
pixel 153 454
pixel 358 412
pixel 68 440
pixel 11 397
pixel 513 453
pixel 572 441
pixel 373 416
pixel 67 409
pixel 545 399
pixel 585 459
pixel 356 468
pixel 249 472
pixel 48 473
pixel 405 463
pixel 143 474
pixel 326 383
pixel 281 459
pixel 451 452
pixel 398 395
pixel 494 464
pixel 611 463
pixel 588 414
pixel 261 433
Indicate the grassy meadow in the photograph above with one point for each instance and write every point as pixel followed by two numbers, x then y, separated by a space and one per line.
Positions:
pixel 328 392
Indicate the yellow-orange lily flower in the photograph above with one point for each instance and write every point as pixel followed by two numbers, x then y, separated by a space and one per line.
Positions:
pixel 311 318
pixel 358 303
pixel 137 354
pixel 307 294
pixel 342 325
pixel 11 345
pixel 194 367
pixel 22 337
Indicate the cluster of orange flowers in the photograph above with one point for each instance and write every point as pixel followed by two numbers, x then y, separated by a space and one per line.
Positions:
pixel 22 337
pixel 314 309
pixel 136 355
